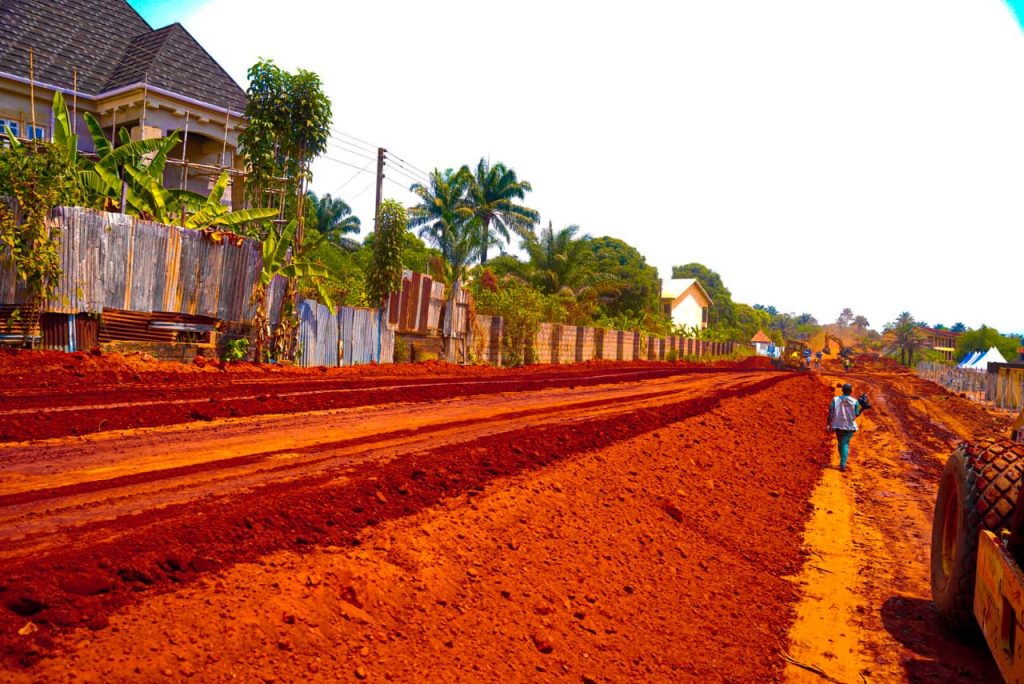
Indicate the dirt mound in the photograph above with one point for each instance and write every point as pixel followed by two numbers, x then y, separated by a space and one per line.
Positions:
pixel 650 546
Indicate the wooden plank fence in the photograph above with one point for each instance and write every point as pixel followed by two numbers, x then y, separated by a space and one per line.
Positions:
pixel 115 261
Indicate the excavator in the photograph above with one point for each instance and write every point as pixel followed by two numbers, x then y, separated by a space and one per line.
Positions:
pixel 844 351
pixel 978 546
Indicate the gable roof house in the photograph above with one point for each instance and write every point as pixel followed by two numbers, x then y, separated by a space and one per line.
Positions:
pixel 105 59
pixel 686 302
pixel 761 343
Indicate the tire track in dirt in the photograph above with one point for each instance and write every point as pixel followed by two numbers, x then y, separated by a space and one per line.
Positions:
pixel 867 614
pixel 80 411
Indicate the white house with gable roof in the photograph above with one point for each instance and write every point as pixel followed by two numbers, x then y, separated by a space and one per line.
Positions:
pixel 685 301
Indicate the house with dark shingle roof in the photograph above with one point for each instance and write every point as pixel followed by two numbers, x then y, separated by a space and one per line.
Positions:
pixel 107 60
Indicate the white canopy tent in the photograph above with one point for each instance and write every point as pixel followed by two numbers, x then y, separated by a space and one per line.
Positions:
pixel 979 360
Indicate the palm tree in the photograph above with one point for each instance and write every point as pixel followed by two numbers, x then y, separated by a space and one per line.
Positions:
pixel 445 220
pixel 560 261
pixel 333 217
pixel 491 194
pixel 904 334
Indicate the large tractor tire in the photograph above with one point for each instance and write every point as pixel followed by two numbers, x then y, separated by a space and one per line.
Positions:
pixel 978 491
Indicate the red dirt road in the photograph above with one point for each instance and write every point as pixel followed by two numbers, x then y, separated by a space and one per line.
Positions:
pixel 601 522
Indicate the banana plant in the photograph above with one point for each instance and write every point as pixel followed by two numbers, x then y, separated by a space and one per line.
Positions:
pixel 134 170
pixel 276 262
pixel 63 135
pixel 210 212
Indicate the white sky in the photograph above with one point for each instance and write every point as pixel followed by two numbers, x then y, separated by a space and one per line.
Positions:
pixel 817 154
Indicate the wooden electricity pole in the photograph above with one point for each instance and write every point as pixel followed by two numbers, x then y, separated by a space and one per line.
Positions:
pixel 380 185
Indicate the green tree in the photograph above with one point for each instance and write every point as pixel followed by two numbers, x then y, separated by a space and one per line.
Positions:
pixel 748 321
pixel 861 322
pixel 508 264
pixel 334 217
pixel 416 256
pixel 385 274
pixel 564 267
pixel 37 177
pixel 958 327
pixel 347 282
pixel 721 311
pixel 845 317
pixel 491 197
pixel 560 260
pixel 806 319
pixel 637 283
pixel 904 334
pixel 521 307
pixel 983 339
pixel 445 220
pixel 288 119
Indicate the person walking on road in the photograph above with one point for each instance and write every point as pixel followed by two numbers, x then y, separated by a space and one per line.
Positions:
pixel 842 419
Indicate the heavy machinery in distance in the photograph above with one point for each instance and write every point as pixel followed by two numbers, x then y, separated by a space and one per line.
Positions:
pixel 978 546
pixel 844 351
pixel 795 356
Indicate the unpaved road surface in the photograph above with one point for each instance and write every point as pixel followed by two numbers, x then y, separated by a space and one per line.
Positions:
pixel 867 614
pixel 602 522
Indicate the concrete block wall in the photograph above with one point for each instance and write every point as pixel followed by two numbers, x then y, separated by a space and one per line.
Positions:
pixel 543 346
pixel 584 349
pixel 575 344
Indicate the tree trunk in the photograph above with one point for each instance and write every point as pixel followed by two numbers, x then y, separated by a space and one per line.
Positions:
pixel 485 231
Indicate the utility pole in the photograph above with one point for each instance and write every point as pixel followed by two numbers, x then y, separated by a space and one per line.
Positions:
pixel 380 185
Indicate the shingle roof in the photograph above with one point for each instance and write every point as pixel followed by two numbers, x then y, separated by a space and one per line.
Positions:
pixel 111 46
pixel 170 58
pixel 761 337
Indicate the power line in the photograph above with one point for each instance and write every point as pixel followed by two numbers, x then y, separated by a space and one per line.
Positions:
pixel 412 178
pixel 352 178
pixel 409 173
pixel 340 161
pixel 350 150
pixel 410 164
pixel 371 184
pixel 358 140
pixel 404 187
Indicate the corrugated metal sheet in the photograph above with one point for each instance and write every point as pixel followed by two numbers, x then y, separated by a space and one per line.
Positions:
pixel 136 326
pixel 360 335
pixel 318 335
pixel 114 261
pixel 58 331
pixel 354 334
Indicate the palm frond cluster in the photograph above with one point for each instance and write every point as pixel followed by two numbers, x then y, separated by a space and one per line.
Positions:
pixel 464 212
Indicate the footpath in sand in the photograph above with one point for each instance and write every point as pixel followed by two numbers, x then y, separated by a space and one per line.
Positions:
pixel 645 545
pixel 867 614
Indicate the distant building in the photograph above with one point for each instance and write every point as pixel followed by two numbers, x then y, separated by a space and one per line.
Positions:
pixel 105 59
pixel 761 343
pixel 685 302
pixel 942 341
